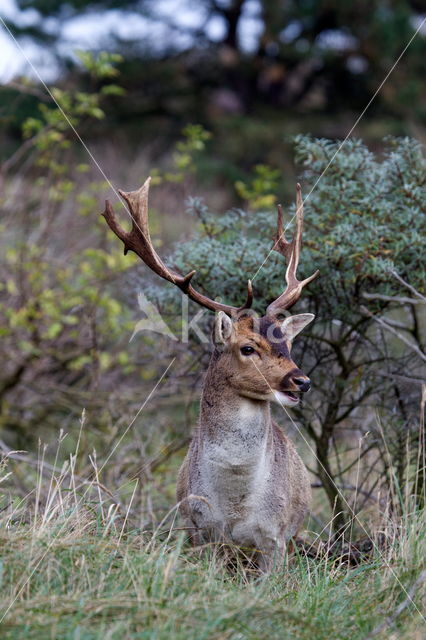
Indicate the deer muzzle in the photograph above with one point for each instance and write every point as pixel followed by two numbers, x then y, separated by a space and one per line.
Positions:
pixel 303 383
pixel 295 380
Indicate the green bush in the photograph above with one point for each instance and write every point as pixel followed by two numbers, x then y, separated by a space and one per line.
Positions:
pixel 64 331
pixel 363 219
pixel 364 230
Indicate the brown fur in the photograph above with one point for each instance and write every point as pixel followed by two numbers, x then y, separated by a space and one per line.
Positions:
pixel 242 480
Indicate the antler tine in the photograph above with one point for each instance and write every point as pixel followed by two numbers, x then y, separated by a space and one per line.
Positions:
pixel 291 251
pixel 139 241
pixel 249 299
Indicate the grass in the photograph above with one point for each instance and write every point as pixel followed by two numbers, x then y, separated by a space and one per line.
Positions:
pixel 74 567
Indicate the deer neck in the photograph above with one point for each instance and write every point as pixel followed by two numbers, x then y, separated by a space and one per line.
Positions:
pixel 235 431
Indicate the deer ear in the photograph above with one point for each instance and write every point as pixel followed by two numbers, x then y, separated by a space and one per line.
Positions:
pixel 293 325
pixel 223 328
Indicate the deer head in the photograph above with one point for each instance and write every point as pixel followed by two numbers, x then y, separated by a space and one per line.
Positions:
pixel 255 352
pixel 255 357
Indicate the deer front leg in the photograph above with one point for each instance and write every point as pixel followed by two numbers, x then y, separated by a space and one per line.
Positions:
pixel 272 559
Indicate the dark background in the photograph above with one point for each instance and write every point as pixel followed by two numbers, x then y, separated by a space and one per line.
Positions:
pixel 254 73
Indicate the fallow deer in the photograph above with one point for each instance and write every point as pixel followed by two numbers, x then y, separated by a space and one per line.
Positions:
pixel 242 480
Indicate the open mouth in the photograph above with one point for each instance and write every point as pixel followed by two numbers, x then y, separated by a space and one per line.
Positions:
pixel 291 396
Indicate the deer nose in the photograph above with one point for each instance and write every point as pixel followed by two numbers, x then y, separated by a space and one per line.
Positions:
pixel 304 384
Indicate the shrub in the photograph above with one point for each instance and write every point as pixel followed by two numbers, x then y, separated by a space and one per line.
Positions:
pixel 364 223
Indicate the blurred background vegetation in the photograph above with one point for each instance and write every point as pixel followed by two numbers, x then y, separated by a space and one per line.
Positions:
pixel 253 73
pixel 225 103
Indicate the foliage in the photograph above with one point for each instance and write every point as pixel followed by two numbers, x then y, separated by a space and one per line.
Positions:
pixel 364 217
pixel 184 158
pixel 75 563
pixel 50 132
pixel 102 67
pixel 364 224
pixel 261 192
pixel 313 55
pixel 62 327
pixel 84 542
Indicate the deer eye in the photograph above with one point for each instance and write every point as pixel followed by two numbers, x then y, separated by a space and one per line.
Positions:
pixel 247 350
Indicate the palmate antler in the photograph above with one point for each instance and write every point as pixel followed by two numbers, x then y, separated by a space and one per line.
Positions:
pixel 139 241
pixel 291 251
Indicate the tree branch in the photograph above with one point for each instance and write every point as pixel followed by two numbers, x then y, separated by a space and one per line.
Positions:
pixel 396 333
pixel 400 608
